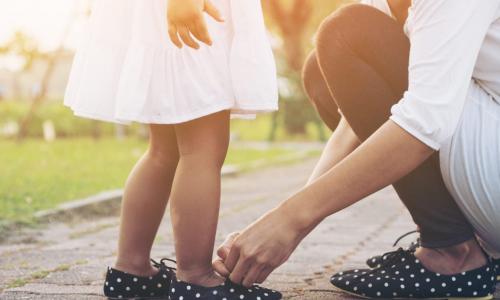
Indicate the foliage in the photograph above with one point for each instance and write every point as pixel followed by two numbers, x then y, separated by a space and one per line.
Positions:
pixel 24 47
pixel 295 22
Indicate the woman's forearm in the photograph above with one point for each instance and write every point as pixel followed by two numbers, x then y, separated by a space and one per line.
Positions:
pixel 342 142
pixel 388 155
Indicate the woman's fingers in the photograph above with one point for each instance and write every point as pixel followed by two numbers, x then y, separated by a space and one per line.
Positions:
pixel 220 267
pixel 264 274
pixel 172 33
pixel 186 37
pixel 240 270
pixel 225 248
pixel 212 11
pixel 232 259
pixel 252 276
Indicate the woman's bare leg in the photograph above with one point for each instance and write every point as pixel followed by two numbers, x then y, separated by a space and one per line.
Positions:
pixel 195 196
pixel 145 199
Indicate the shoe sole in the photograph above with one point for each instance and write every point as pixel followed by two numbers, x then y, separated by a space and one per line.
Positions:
pixel 489 297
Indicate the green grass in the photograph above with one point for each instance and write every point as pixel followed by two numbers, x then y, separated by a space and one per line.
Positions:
pixel 36 175
pixel 260 130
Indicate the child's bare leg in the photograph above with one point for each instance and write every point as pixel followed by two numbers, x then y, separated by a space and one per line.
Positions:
pixel 195 196
pixel 146 195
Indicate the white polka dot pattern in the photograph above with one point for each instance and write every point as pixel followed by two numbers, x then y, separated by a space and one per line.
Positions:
pixel 122 285
pixel 403 276
pixel 227 291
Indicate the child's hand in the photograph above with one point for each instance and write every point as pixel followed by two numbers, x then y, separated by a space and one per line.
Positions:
pixel 185 18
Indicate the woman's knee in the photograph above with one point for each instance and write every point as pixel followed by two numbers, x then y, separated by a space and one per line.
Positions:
pixel 318 92
pixel 339 31
pixel 312 78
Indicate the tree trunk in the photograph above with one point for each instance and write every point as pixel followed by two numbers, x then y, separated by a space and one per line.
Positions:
pixel 40 96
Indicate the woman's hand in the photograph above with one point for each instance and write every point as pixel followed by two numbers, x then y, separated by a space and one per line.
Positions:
pixel 185 20
pixel 250 256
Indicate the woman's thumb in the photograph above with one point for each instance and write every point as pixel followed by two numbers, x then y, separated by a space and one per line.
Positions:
pixel 212 11
pixel 225 248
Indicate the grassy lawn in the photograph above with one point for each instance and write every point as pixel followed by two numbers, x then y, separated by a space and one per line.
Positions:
pixel 36 175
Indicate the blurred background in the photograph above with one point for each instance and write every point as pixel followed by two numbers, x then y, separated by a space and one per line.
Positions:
pixel 49 157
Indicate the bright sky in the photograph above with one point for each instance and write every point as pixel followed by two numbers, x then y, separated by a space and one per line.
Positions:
pixel 46 20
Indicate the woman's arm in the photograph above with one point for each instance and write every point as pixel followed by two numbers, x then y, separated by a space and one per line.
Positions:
pixel 385 157
pixel 185 20
pixel 342 142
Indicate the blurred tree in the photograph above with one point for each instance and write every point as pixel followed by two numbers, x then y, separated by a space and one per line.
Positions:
pixel 23 47
pixel 27 48
pixel 295 22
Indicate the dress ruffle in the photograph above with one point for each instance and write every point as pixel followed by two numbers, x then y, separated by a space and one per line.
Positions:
pixel 127 70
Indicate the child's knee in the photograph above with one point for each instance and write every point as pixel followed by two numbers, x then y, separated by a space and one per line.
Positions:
pixel 164 157
pixel 212 157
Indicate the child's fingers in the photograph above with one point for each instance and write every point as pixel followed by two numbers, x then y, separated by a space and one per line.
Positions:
pixel 172 32
pixel 186 37
pixel 212 11
pixel 200 31
pixel 219 267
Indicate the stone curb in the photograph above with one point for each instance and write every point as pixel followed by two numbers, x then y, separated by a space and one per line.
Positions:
pixel 100 205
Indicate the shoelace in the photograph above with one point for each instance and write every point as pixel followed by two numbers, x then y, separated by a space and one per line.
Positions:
pixel 388 255
pixel 403 236
pixel 163 264
pixel 391 257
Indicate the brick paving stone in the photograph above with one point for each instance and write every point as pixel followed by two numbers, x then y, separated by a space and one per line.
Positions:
pixel 67 261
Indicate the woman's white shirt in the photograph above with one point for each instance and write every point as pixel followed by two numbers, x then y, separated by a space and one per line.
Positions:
pixel 452 43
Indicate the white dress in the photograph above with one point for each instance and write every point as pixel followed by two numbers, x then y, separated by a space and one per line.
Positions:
pixel 127 70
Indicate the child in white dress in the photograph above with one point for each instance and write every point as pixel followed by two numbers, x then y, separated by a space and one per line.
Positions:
pixel 132 68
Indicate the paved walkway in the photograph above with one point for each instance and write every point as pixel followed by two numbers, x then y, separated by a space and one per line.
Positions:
pixel 67 261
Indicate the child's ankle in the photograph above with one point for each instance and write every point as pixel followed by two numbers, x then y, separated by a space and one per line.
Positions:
pixel 205 277
pixel 142 269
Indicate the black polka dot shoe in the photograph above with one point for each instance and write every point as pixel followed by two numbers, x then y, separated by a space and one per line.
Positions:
pixel 180 290
pixel 122 285
pixel 404 277
pixel 496 262
pixel 376 261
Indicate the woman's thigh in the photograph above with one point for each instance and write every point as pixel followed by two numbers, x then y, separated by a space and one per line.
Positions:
pixel 470 164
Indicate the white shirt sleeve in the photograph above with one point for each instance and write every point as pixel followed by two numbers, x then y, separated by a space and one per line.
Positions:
pixel 446 37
